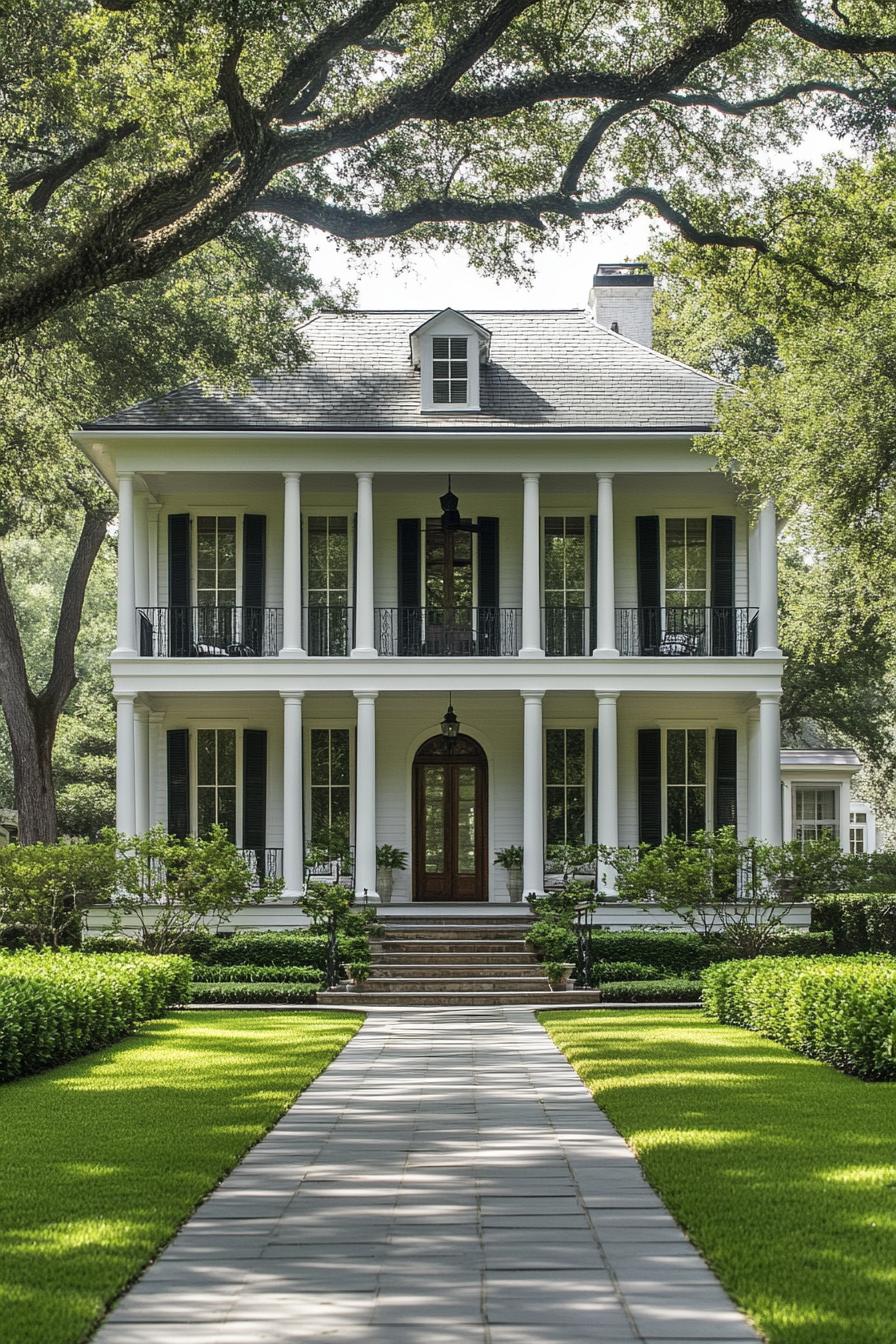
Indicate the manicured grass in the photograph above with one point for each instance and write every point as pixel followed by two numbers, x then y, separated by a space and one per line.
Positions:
pixel 781 1169
pixel 101 1159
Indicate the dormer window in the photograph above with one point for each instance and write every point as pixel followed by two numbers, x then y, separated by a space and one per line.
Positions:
pixel 449 370
pixel 449 349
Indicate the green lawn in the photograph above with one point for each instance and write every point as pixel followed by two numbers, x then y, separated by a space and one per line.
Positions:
pixel 782 1170
pixel 101 1159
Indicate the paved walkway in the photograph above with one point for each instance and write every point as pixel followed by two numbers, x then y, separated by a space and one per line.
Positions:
pixel 448 1180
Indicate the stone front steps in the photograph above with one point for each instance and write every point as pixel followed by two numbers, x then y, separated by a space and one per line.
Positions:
pixel 445 960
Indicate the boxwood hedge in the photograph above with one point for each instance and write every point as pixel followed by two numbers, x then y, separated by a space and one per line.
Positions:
pixel 674 989
pixel 55 1006
pixel 841 1010
pixel 259 991
pixel 248 974
pixel 864 922
pixel 679 953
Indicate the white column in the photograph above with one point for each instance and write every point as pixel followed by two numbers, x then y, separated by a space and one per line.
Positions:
pixel 770 823
pixel 125 801
pixel 365 796
pixel 767 620
pixel 152 547
pixel 531 632
pixel 157 765
pixel 753 771
pixel 141 552
pixel 127 618
pixel 292 566
pixel 363 641
pixel 607 785
pixel 141 769
pixel 845 805
pixel 605 597
pixel 293 838
pixel 533 793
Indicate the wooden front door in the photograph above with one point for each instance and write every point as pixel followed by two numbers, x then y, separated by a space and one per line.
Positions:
pixel 449 591
pixel 450 823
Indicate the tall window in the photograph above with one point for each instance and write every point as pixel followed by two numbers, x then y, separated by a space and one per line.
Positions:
pixel 216 780
pixel 328 569
pixel 330 784
pixel 565 785
pixel 686 563
pixel 858 832
pixel 449 370
pixel 685 781
pixel 814 813
pixel 216 561
pixel 564 585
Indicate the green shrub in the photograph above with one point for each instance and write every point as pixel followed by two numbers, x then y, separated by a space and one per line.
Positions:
pixel 675 989
pixel 688 953
pixel 269 949
pixel 239 991
pixel 841 1010
pixel 45 890
pixel 248 974
pixel 863 922
pixel 109 943
pixel 55 1006
pixel 625 970
pixel 551 941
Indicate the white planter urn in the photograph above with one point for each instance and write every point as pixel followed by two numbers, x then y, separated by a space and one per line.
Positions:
pixel 384 885
pixel 515 882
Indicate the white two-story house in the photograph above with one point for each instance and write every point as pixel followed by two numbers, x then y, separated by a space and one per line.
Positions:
pixel 492 517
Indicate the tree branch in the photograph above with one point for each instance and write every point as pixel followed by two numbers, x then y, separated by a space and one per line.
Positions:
pixel 48 177
pixel 569 183
pixel 63 678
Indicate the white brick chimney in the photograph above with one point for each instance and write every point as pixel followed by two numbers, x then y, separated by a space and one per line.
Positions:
pixel 621 298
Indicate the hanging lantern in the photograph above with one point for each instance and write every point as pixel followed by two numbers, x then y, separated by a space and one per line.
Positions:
pixel 450 724
pixel 451 519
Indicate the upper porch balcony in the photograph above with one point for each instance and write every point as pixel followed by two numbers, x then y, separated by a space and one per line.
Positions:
pixel 663 568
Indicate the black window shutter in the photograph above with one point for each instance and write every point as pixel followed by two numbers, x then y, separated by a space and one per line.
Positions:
pixel 647 555
pixel 594 772
pixel 726 778
pixel 722 585
pixel 255 781
pixel 489 626
pixel 180 637
pixel 592 562
pixel 408 615
pixel 650 799
pixel 254 538
pixel 179 781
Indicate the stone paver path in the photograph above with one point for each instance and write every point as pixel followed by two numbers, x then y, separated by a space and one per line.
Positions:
pixel 448 1180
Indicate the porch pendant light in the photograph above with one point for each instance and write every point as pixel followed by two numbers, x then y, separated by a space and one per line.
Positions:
pixel 450 724
pixel 451 519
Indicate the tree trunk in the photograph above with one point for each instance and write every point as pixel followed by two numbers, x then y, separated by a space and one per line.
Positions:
pixel 31 719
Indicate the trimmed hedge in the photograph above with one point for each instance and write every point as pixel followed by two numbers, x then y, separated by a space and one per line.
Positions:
pixel 247 974
pixel 265 991
pixel 675 989
pixel 624 970
pixel 55 1006
pixel 303 948
pixel 861 922
pixel 837 1009
pixel 679 953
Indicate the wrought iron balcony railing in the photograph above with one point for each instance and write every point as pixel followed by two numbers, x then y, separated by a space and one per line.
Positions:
pixel 265 865
pixel 447 632
pixel 686 632
pixel 209 632
pixel 566 631
pixel 328 631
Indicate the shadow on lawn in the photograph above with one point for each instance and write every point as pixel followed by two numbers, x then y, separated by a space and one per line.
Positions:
pixel 102 1158
pixel 780 1168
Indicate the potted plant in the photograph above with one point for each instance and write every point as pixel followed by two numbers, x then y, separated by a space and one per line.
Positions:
pixel 511 860
pixel 558 973
pixel 388 859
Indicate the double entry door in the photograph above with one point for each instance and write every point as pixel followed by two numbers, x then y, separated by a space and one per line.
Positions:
pixel 450 803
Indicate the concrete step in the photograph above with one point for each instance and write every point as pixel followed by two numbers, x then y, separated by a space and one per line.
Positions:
pixel 479 929
pixel 511 947
pixel 454 984
pixel 547 998
pixel 471 961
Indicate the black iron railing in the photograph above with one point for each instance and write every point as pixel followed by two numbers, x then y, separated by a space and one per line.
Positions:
pixel 209 632
pixel 444 632
pixel 584 921
pixel 567 631
pixel 328 632
pixel 332 868
pixel 686 632
pixel 265 865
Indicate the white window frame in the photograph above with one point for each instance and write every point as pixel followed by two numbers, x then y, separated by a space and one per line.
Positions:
pixel 200 725
pixel 324 511
pixel 566 514
pixel 586 728
pixel 831 828
pixel 329 726
pixel 856 826
pixel 216 512
pixel 707 727
pixel 427 401
pixel 686 513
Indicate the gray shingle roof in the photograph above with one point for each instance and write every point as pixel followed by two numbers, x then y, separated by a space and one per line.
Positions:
pixel 549 370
